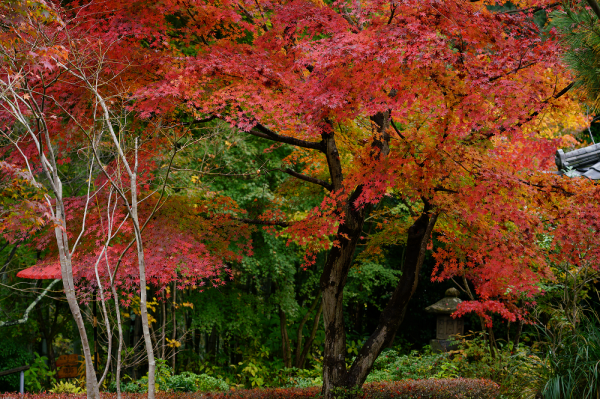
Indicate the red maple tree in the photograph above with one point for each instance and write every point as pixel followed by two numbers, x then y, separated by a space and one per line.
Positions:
pixel 429 102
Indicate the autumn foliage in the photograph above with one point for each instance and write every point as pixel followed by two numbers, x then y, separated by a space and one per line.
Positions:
pixel 446 107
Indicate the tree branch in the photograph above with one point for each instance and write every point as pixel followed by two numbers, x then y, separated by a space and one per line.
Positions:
pixel 263 222
pixel 23 319
pixel 204 120
pixel 393 13
pixel 266 133
pixel 309 179
pixel 554 97
pixel 530 9
pixel 511 72
pixel 445 190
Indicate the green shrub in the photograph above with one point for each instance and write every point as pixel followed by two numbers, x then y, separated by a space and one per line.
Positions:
pixel 184 382
pixel 139 386
pixel 206 383
pixel 511 368
pixel 390 366
pixel 300 382
pixel 572 368
pixel 39 376
pixel 12 355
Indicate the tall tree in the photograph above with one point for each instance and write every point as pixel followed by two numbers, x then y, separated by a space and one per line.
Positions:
pixel 59 89
pixel 425 101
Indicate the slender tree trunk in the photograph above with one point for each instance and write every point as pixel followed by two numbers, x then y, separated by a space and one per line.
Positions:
pixel 518 334
pixel 121 340
pixel 174 334
pixel 100 290
pixel 91 381
pixel 301 360
pixel 33 120
pixel 145 324
pixel 137 336
pixel 492 341
pixel 48 331
pixel 141 265
pixel 164 325
pixel 285 340
pixel 95 329
pixel 298 358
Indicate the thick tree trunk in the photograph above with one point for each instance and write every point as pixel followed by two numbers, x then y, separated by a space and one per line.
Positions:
pixel 333 281
pixel 335 374
pixel 393 314
pixel 339 259
pixel 121 339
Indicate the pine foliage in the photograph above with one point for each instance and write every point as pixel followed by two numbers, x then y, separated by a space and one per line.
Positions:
pixel 581 34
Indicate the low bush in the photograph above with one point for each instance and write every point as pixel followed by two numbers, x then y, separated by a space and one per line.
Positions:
pixel 184 382
pixel 66 387
pixel 207 383
pixel 408 389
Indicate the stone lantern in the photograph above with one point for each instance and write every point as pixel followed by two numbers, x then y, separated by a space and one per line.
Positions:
pixel 446 325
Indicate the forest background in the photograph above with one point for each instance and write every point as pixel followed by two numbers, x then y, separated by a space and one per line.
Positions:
pixel 243 215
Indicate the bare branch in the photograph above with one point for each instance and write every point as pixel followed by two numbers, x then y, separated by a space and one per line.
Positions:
pixel 266 133
pixel 530 9
pixel 264 222
pixel 23 319
pixel 309 179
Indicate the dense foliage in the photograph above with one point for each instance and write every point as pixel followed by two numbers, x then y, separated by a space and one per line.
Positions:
pixel 267 194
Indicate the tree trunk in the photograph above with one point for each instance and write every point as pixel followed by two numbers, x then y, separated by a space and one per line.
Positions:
pixel 337 266
pixel 492 342
pixel 300 360
pixel 137 336
pixel 393 314
pixel 333 280
pixel 121 340
pixel 518 334
pixel 164 325
pixel 285 340
pixel 91 381
pixel 174 334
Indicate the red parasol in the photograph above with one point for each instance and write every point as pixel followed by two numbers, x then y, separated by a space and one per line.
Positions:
pixel 42 271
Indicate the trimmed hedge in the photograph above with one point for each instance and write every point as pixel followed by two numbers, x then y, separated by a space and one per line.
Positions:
pixel 458 388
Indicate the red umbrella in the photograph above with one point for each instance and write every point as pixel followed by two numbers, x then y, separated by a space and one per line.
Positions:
pixel 51 270
pixel 42 271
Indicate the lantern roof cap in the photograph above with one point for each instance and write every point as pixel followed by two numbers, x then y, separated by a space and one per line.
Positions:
pixel 580 162
pixel 447 305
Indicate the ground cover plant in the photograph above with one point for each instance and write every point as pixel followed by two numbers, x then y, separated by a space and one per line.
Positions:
pixel 410 389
